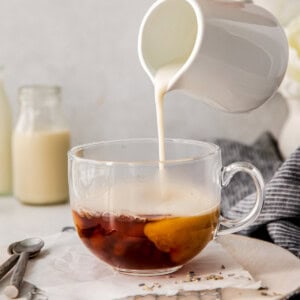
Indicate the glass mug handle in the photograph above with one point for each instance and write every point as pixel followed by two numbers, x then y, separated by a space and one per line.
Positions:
pixel 227 173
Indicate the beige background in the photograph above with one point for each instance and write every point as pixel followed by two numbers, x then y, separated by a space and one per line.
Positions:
pixel 89 48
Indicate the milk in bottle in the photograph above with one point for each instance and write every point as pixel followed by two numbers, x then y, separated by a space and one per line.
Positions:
pixel 41 141
pixel 5 142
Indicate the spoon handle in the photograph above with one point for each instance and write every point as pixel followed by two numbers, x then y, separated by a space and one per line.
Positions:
pixel 8 264
pixel 13 290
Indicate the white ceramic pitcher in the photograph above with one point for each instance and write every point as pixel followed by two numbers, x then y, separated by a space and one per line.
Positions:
pixel 235 53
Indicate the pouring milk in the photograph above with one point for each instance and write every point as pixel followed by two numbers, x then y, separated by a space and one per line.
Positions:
pixel 161 83
pixel 233 54
pixel 199 47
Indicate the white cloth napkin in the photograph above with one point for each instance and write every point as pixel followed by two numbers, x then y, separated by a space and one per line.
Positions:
pixel 67 270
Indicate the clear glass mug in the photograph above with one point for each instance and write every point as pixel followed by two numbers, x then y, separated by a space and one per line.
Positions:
pixel 145 219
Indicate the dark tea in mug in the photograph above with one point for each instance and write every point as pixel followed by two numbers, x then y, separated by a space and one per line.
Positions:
pixel 145 242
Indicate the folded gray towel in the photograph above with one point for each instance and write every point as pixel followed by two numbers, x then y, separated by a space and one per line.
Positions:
pixel 279 221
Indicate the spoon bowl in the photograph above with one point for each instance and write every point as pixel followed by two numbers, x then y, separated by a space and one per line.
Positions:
pixel 16 248
pixel 31 245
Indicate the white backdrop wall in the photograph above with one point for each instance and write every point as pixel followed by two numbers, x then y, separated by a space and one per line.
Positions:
pixel 89 48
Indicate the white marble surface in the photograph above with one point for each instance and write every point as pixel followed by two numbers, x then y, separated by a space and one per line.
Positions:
pixel 90 48
pixel 18 221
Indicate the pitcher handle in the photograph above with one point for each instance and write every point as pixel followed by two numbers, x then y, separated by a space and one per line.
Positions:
pixel 227 174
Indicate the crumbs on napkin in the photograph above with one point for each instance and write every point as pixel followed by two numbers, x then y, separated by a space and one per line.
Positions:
pixel 192 277
pixel 264 291
pixel 149 287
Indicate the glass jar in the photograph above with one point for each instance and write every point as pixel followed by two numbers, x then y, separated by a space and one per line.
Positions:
pixel 41 140
pixel 5 142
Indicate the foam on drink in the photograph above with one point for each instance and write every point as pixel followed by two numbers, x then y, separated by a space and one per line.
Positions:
pixel 144 199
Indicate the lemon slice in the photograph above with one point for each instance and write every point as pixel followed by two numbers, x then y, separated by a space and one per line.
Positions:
pixel 182 237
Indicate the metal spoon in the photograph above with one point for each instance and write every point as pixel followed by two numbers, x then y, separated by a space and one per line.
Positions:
pixel 25 248
pixel 12 260
pixel 8 264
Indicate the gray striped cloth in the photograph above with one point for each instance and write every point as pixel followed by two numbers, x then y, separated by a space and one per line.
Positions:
pixel 279 221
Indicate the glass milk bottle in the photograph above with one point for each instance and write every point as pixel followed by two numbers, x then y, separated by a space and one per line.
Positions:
pixel 5 142
pixel 41 140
